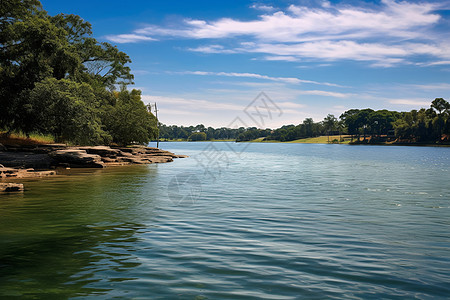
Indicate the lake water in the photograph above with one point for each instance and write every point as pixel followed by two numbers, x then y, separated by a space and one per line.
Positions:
pixel 267 221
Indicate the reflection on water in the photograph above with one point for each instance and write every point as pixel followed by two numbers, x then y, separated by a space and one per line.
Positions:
pixel 64 230
pixel 285 221
pixel 66 263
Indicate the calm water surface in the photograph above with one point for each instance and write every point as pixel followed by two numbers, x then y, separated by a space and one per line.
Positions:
pixel 277 221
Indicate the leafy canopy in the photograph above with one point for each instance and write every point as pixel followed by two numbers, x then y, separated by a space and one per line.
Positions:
pixel 51 67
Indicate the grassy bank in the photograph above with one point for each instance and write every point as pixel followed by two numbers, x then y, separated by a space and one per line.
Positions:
pixel 313 140
pixel 346 139
pixel 18 138
pixel 185 140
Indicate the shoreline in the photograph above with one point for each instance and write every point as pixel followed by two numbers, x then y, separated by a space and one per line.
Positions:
pixel 323 142
pixel 44 160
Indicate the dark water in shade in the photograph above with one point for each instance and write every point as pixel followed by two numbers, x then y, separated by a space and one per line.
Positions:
pixel 280 221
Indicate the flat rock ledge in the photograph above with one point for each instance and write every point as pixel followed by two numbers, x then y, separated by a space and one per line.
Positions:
pixel 10 187
pixel 49 156
pixel 23 173
pixel 41 160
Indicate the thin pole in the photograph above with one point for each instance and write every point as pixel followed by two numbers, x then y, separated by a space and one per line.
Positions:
pixel 157 125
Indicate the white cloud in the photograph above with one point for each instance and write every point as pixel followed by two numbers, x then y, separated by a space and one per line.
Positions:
pixel 281 58
pixel 292 105
pixel 299 23
pixel 192 104
pixel 290 80
pixel 262 7
pixel 212 49
pixel 410 102
pixel 325 93
pixel 433 86
pixel 392 33
pixel 140 72
pixel 383 55
pixel 129 38
pixel 436 63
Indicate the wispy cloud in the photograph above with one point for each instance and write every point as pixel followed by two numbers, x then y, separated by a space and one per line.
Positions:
pixel 290 80
pixel 432 86
pixel 212 49
pixel 263 7
pixel 192 104
pixel 410 102
pixel 325 93
pixel 129 38
pixel 200 108
pixel 436 63
pixel 140 72
pixel 281 58
pixel 386 35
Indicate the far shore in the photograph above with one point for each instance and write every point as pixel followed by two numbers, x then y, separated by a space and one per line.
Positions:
pixel 332 139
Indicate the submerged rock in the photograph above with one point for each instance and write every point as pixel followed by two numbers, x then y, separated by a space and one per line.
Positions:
pixel 23 173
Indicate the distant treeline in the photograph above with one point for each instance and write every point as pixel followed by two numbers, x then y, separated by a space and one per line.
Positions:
pixel 56 79
pixel 202 133
pixel 430 125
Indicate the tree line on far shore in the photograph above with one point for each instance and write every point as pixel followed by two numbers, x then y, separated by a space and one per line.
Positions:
pixel 56 79
pixel 430 125
pixel 202 133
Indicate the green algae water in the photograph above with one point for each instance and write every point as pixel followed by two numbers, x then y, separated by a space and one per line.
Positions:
pixel 236 221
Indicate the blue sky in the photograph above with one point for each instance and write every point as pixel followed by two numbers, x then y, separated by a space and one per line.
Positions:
pixel 205 61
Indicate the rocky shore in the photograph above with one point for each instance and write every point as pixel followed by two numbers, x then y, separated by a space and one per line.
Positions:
pixel 31 161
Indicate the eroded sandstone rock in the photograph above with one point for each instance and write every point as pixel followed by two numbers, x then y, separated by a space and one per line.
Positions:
pixel 77 158
pixel 10 187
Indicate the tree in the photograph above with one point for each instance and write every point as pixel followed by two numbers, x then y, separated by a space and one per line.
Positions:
pixel 341 126
pixel 30 48
pixel 362 120
pixel 308 123
pixel 381 121
pixel 197 136
pixel 35 46
pixel 349 118
pixel 439 122
pixel 99 63
pixel 330 124
pixel 66 109
pixel 129 121
pixel 440 105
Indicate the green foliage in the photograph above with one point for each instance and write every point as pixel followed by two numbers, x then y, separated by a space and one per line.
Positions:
pixel 67 110
pixel 291 132
pixel 129 121
pixel 31 46
pixel 173 132
pixel 197 136
pixel 330 123
pixel 55 78
pixel 440 105
pixel 251 134
pixel 424 125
